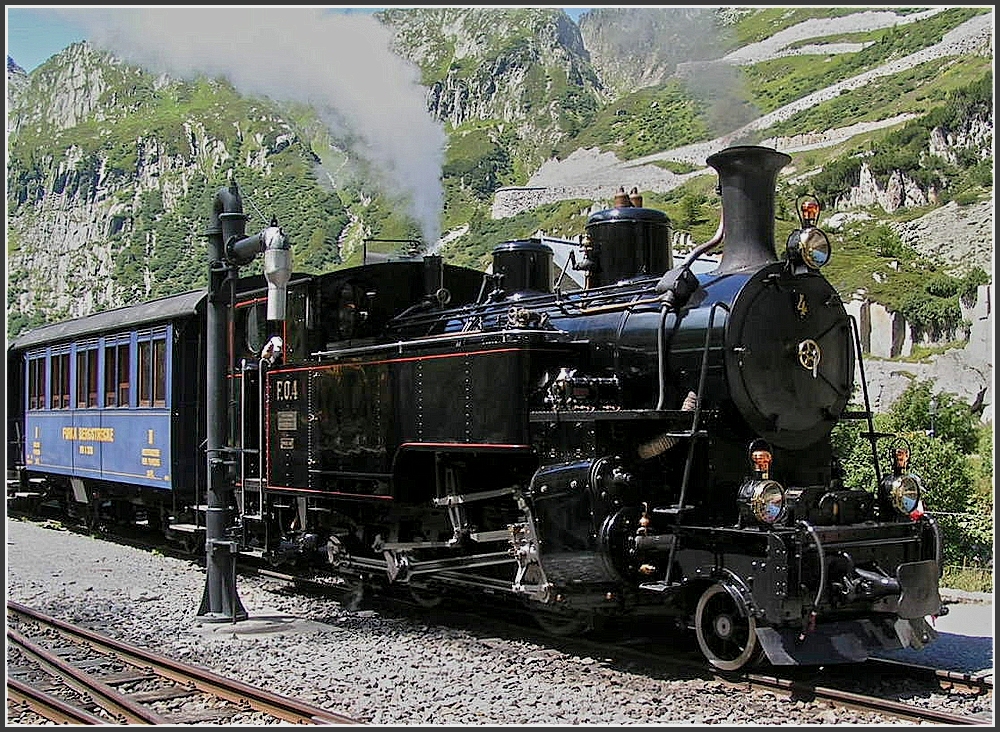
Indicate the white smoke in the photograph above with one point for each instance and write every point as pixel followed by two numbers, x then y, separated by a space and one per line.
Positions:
pixel 340 64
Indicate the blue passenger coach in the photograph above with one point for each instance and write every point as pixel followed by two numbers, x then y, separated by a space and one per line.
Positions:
pixel 112 400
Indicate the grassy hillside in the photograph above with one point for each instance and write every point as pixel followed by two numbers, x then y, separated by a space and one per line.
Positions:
pixel 329 218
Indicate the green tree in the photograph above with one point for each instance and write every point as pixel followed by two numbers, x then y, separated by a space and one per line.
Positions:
pixel 691 214
pixel 953 419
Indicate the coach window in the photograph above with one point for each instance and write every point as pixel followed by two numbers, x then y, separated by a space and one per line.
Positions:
pixel 116 370
pixel 86 377
pixel 152 386
pixel 59 381
pixel 36 382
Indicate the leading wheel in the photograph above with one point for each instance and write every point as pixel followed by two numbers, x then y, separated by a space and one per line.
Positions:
pixel 726 632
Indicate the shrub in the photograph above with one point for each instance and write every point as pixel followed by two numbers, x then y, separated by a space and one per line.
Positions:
pixel 953 420
pixel 951 464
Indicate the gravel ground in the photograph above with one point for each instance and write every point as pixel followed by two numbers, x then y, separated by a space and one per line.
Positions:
pixel 382 670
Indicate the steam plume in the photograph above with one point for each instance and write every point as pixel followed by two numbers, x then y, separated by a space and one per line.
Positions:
pixel 340 64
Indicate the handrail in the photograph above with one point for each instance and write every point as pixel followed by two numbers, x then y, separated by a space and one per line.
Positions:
pixel 695 419
pixel 872 437
pixel 398 346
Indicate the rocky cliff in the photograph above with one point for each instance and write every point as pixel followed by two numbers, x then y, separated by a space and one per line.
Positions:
pixel 111 168
pixel 525 71
pixel 102 211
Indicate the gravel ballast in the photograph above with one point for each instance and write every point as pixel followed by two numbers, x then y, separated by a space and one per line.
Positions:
pixel 380 670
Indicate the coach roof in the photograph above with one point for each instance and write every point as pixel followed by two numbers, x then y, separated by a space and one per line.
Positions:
pixel 154 311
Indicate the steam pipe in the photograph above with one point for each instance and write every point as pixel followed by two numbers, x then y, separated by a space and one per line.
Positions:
pixel 709 245
pixel 669 303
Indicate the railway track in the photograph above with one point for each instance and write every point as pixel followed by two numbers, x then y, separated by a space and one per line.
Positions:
pixel 831 684
pixel 868 702
pixel 71 675
pixel 838 685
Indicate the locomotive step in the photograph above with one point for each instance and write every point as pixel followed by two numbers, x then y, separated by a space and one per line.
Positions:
pixel 186 528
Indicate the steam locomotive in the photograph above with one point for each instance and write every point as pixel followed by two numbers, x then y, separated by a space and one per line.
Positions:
pixel 655 441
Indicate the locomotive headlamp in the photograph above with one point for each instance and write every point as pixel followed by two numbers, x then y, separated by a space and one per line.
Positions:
pixel 903 491
pixel 765 499
pixel 809 246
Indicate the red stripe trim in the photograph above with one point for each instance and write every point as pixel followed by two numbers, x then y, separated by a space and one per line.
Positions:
pixel 288 489
pixel 467 445
pixel 460 354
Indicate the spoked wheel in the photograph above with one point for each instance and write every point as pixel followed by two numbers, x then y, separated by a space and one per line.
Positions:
pixel 562 623
pixel 726 634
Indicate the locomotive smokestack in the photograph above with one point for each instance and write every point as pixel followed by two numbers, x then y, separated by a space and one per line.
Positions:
pixel 747 175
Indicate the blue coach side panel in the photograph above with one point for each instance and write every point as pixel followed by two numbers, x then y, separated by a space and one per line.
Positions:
pixel 121 428
pixel 128 444
pixel 139 452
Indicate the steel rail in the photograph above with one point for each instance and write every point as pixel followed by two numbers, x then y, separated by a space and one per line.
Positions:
pixel 112 700
pixel 49 706
pixel 945 677
pixel 237 692
pixel 863 701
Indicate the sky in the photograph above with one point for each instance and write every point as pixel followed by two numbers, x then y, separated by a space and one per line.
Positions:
pixel 35 33
pixel 378 112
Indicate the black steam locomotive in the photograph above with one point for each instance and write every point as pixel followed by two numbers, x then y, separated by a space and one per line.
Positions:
pixel 656 441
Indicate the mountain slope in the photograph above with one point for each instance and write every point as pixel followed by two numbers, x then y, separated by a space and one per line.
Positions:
pixel 111 167
pixel 600 175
